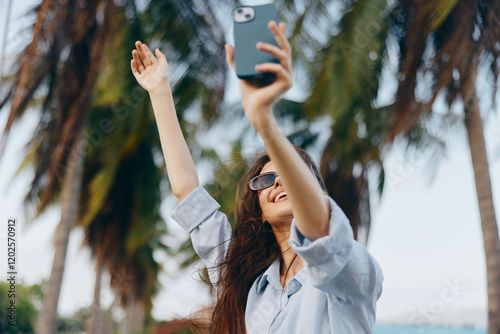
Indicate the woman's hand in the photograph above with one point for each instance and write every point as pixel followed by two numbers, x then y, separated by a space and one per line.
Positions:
pixel 151 74
pixel 258 101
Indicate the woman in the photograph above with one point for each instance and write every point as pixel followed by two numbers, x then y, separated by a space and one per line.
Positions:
pixel 291 265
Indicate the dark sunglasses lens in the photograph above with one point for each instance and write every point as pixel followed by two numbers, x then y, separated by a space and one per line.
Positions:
pixel 264 181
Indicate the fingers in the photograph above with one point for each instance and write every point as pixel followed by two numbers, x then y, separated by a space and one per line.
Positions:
pixel 137 62
pixel 277 69
pixel 279 34
pixel 161 57
pixel 143 58
pixel 282 70
pixel 144 52
pixel 229 55
pixel 133 66
pixel 284 80
pixel 280 54
pixel 149 55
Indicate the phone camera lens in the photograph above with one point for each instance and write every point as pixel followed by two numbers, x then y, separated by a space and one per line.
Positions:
pixel 248 16
pixel 239 11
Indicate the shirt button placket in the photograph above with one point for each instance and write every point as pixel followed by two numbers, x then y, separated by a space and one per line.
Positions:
pixel 283 298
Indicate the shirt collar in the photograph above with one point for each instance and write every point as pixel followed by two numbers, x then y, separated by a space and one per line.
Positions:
pixel 272 275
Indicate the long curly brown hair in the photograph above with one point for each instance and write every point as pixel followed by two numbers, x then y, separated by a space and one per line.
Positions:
pixel 252 250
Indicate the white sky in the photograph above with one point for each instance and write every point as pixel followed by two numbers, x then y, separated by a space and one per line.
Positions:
pixel 423 235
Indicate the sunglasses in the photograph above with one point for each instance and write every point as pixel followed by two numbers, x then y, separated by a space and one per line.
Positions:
pixel 266 180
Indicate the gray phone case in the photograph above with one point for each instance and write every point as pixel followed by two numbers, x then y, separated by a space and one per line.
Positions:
pixel 246 36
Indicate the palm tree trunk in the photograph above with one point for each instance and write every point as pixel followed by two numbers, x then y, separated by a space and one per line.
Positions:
pixel 489 225
pixel 94 325
pixel 135 316
pixel 70 196
pixel 345 189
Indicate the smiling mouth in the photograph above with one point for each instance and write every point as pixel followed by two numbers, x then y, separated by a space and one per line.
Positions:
pixel 280 198
pixel 284 198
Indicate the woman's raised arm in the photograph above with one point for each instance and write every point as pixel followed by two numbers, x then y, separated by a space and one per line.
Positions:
pixel 152 75
pixel 310 206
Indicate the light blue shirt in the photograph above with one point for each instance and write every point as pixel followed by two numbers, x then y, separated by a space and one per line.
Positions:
pixel 335 292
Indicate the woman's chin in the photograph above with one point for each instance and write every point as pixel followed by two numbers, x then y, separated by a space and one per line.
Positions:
pixel 279 217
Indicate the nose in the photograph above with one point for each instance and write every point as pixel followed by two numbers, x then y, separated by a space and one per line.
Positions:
pixel 277 181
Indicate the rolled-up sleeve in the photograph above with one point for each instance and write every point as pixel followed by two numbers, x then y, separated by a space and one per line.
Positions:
pixel 210 232
pixel 337 263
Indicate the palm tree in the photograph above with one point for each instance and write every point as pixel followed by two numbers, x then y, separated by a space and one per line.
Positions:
pixel 447 40
pixel 119 209
pixel 459 36
pixel 345 72
pixel 64 58
pixel 462 36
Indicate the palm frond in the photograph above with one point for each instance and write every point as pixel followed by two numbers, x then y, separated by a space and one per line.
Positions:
pixel 119 210
pixel 350 61
pixel 445 26
pixel 62 58
pixel 200 47
pixel 346 86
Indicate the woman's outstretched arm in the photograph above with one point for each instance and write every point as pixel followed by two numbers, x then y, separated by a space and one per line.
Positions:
pixel 197 212
pixel 309 204
pixel 152 75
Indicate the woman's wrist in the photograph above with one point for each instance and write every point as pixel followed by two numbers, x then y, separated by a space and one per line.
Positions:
pixel 268 129
pixel 160 91
pixel 162 101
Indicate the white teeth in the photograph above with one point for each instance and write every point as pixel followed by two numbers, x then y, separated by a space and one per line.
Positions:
pixel 279 196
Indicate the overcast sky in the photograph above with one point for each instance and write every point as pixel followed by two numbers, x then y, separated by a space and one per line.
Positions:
pixel 425 234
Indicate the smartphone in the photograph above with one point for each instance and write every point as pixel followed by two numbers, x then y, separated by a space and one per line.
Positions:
pixel 250 27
